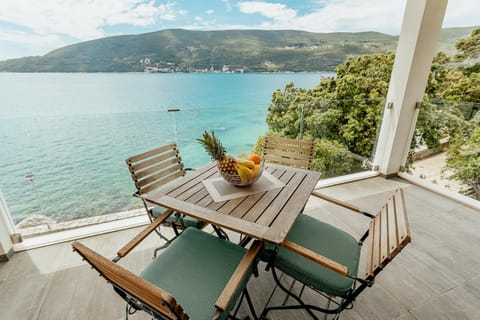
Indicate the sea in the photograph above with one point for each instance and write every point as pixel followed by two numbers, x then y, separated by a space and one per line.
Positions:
pixel 64 137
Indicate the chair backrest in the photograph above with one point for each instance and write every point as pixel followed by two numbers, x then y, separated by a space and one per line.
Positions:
pixel 137 291
pixel 388 234
pixel 155 168
pixel 290 152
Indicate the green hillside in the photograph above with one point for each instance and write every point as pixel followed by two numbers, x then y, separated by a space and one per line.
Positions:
pixel 449 36
pixel 199 51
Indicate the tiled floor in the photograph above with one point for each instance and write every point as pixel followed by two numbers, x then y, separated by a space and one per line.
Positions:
pixel 435 277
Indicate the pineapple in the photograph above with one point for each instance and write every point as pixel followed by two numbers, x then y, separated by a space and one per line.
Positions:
pixel 217 152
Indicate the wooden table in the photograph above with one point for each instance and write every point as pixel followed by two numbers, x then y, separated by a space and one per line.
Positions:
pixel 266 216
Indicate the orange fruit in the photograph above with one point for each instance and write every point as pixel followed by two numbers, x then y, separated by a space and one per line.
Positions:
pixel 255 158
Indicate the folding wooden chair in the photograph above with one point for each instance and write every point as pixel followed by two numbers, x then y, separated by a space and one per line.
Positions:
pixel 326 259
pixel 152 170
pixel 199 276
pixel 289 152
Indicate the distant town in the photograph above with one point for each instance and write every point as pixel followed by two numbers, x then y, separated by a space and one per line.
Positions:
pixel 170 67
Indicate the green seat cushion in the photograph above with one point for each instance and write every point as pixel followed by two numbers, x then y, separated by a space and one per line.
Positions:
pixel 187 221
pixel 328 241
pixel 195 269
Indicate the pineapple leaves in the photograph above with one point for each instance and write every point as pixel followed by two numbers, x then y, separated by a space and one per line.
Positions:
pixel 212 145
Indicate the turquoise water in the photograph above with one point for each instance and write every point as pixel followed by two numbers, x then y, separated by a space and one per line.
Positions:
pixel 74 131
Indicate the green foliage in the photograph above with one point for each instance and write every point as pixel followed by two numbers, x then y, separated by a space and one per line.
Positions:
pixel 444 110
pixel 464 158
pixel 469 50
pixel 469 47
pixel 212 145
pixel 440 75
pixel 342 114
pixel 438 120
pixel 464 94
pixel 451 101
pixel 331 158
pixel 465 89
pixel 258 147
pixel 476 119
pixel 346 109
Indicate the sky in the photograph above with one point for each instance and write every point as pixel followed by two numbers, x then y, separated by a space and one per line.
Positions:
pixel 35 27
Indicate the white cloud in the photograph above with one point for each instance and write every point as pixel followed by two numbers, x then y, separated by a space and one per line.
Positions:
pixel 30 39
pixel 330 16
pixel 82 19
pixel 15 44
pixel 210 11
pixel 352 15
pixel 276 11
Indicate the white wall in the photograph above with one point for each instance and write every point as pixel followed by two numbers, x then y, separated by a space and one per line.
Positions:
pixel 7 228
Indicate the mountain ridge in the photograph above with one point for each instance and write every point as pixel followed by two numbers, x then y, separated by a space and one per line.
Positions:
pixel 181 50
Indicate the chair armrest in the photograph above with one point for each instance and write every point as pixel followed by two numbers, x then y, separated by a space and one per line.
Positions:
pixel 315 257
pixel 143 234
pixel 237 277
pixel 341 203
pixel 158 299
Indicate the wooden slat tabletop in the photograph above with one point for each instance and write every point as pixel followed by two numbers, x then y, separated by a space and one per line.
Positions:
pixel 265 216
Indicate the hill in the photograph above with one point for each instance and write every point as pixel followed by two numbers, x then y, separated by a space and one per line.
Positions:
pixel 450 36
pixel 178 50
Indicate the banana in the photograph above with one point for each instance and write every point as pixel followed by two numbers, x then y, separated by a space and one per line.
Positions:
pixel 246 163
pixel 244 172
pixel 255 170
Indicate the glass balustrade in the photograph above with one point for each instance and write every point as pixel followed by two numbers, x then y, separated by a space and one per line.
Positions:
pixel 62 168
pixel 447 146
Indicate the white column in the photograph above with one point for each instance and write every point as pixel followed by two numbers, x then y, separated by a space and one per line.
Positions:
pixel 7 230
pixel 421 26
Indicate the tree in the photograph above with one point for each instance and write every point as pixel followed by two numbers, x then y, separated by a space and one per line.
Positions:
pixel 466 92
pixel 331 158
pixel 464 84
pixel 469 48
pixel 343 113
pixel 345 109
pixel 464 159
pixel 438 119
pixel 464 150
